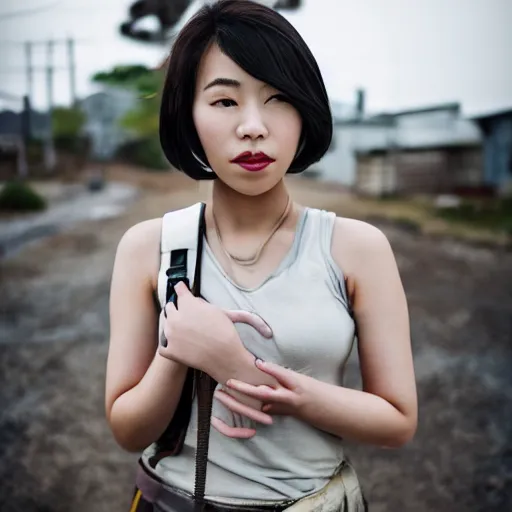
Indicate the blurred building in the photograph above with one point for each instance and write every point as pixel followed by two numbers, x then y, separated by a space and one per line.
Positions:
pixel 19 125
pixel 426 150
pixel 497 134
pixel 104 111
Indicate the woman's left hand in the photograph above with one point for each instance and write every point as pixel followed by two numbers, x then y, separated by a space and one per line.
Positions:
pixel 286 398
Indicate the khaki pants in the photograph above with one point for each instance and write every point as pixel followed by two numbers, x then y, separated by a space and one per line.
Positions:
pixel 341 494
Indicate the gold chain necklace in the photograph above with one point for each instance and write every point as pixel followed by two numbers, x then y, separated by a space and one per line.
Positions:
pixel 246 262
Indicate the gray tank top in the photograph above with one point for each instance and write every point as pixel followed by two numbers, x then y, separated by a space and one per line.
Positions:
pixel 305 303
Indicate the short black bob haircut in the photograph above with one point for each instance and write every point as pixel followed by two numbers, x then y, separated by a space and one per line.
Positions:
pixel 265 45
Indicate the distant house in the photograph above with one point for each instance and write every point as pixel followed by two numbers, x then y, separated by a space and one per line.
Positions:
pixel 15 123
pixel 103 111
pixel 350 135
pixel 497 134
pixel 16 128
pixel 426 150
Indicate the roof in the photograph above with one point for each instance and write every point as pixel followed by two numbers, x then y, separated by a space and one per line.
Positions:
pixel 445 146
pixel 9 96
pixel 453 107
pixel 364 121
pixel 389 118
pixel 493 115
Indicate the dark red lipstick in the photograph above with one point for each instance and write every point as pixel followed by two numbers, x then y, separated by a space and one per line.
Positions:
pixel 253 161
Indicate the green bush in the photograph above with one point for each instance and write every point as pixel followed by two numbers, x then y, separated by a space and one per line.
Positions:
pixel 122 74
pixel 146 81
pixel 145 153
pixel 494 214
pixel 67 122
pixel 18 196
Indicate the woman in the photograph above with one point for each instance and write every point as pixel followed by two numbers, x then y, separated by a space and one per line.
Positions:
pixel 244 104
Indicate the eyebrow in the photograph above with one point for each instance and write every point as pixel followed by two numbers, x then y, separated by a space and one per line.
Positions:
pixel 229 82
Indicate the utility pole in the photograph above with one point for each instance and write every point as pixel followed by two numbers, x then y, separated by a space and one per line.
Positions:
pixel 49 74
pixel 50 157
pixel 72 70
pixel 30 70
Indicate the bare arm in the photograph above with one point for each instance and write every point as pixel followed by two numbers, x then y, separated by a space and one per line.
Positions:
pixel 144 381
pixel 142 387
pixel 385 412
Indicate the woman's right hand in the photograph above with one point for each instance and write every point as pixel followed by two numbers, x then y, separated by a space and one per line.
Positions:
pixel 203 336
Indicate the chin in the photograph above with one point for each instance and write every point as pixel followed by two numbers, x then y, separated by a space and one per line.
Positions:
pixel 251 183
pixel 251 190
pixel 253 187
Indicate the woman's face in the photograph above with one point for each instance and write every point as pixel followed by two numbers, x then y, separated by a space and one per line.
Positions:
pixel 248 132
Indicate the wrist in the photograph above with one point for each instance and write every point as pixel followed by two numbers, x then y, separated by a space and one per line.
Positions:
pixel 236 365
pixel 244 367
pixel 305 396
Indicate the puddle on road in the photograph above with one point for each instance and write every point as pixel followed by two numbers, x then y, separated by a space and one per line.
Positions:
pixel 105 212
pixel 100 205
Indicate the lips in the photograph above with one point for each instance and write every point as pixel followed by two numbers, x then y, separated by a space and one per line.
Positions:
pixel 253 161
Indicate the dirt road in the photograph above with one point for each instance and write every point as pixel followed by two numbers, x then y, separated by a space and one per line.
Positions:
pixel 56 452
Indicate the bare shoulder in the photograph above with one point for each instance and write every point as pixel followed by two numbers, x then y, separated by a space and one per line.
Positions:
pixel 364 254
pixel 141 236
pixel 354 240
pixel 139 248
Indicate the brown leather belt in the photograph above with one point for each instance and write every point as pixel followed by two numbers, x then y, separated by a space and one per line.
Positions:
pixel 175 500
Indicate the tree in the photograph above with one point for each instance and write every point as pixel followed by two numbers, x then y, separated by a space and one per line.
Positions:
pixel 135 77
pixel 67 123
pixel 143 119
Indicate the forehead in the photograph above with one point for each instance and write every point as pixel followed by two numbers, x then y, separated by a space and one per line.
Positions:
pixel 215 64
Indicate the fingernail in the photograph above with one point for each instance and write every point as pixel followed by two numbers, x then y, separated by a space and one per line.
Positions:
pixel 258 361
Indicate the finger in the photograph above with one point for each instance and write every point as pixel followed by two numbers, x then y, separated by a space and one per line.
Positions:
pixel 284 376
pixel 182 290
pixel 275 409
pixel 169 309
pixel 262 393
pixel 246 317
pixel 243 399
pixel 242 409
pixel 233 432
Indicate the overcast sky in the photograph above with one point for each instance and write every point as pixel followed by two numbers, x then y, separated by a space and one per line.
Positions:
pixel 405 53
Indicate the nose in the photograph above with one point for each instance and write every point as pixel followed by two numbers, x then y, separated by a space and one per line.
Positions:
pixel 252 125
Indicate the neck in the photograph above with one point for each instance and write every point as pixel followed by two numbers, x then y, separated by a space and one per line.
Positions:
pixel 239 212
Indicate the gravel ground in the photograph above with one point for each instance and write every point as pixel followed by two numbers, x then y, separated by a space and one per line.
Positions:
pixel 57 454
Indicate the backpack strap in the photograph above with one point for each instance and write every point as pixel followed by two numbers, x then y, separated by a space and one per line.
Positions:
pixel 181 250
pixel 180 247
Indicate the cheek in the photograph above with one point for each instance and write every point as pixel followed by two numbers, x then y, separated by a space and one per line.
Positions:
pixel 290 129
pixel 207 127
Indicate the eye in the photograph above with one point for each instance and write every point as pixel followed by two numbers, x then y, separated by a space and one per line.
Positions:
pixel 224 103
pixel 278 97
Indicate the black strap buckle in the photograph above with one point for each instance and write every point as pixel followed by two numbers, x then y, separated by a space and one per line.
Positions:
pixel 171 283
pixel 176 272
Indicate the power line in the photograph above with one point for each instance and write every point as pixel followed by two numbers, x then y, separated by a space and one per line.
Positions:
pixel 18 70
pixel 28 12
pixel 48 68
pixel 87 42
